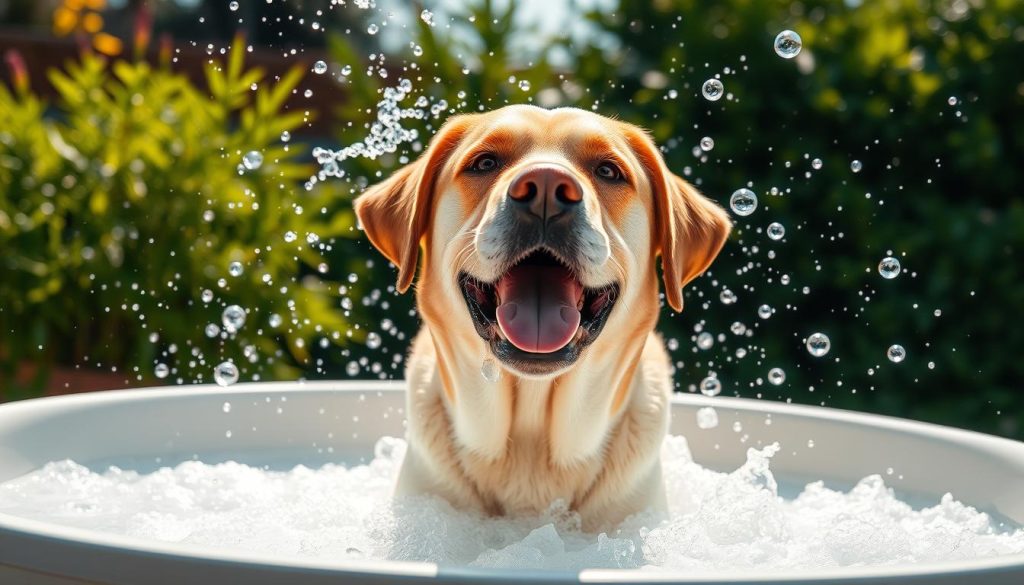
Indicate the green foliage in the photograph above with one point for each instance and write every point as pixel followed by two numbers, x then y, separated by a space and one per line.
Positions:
pixel 120 209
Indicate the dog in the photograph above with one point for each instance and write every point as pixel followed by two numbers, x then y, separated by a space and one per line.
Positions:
pixel 537 375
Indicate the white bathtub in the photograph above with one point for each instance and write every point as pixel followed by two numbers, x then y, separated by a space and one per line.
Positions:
pixel 134 427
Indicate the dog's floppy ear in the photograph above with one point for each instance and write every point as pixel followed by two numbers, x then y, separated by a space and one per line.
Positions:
pixel 396 212
pixel 689 229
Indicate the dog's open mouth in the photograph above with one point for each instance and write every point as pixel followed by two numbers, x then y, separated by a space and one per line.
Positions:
pixel 537 316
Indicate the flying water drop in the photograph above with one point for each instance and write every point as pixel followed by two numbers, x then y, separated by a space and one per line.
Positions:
pixel 743 201
pixel 889 267
pixel 788 44
pixel 225 374
pixel 712 90
pixel 896 353
pixel 818 344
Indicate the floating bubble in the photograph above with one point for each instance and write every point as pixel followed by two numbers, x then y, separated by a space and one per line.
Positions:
pixel 707 143
pixel 489 370
pixel 727 297
pixel 710 386
pixel 856 166
pixel 252 160
pixel 712 90
pixel 705 340
pixel 738 328
pixel 776 231
pixel 352 368
pixel 212 330
pixel 889 267
pixel 233 318
pixel 225 374
pixel 286 136
pixel 818 344
pixel 427 17
pixel 320 67
pixel 274 320
pixel 816 164
pixel 937 312
pixel 233 6
pixel 290 236
pixel 235 269
pixel 373 340
pixel 788 44
pixel 743 201
pixel 524 85
pixel 896 353
pixel 161 370
pixel 207 295
pixel 312 238
pixel 952 100
pixel 372 29
pixel 776 376
pixel 764 311
pixel 226 407
pixel 707 418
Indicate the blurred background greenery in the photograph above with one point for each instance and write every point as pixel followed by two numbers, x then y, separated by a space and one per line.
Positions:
pixel 123 202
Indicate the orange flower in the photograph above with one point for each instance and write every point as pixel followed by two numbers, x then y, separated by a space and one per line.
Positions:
pixel 107 44
pixel 64 21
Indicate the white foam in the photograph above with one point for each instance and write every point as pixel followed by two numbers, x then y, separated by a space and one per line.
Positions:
pixel 717 521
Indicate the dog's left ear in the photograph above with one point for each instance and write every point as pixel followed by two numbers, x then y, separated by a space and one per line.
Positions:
pixel 689 229
pixel 395 214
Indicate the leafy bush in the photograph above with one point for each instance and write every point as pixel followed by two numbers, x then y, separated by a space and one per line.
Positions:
pixel 125 206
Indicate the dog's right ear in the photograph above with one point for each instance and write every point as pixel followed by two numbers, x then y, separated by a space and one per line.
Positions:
pixel 396 213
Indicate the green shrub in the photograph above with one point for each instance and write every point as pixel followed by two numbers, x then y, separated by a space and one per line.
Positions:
pixel 127 200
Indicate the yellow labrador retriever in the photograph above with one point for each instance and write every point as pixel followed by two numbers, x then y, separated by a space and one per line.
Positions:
pixel 537 375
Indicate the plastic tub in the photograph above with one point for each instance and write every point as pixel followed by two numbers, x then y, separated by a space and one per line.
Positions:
pixel 135 427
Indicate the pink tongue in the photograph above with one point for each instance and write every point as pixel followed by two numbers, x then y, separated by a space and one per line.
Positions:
pixel 538 312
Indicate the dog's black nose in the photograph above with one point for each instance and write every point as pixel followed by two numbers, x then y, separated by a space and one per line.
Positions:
pixel 546 191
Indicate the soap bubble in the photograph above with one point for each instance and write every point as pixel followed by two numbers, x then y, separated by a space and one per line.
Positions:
pixel 952 100
pixel 274 320
pixel 524 85
pixel 707 143
pixel 727 297
pixel 233 6
pixel 235 269
pixel 712 90
pixel 372 29
pixel 743 201
pixel 889 267
pixel 788 44
pixel 289 236
pixel 207 295
pixel 161 371
pixel 818 344
pixel 489 370
pixel 252 160
pixel 707 418
pixel 776 376
pixel 225 374
pixel 212 330
pixel 705 340
pixel 352 368
pixel 710 386
pixel 233 318
pixel 776 231
pixel 427 17
pixel 764 311
pixel 286 136
pixel 816 164
pixel 373 340
pixel 320 67
pixel 856 166
pixel 896 353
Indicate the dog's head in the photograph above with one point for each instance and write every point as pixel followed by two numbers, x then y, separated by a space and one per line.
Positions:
pixel 539 231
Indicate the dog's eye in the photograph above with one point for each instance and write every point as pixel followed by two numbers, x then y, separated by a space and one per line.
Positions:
pixel 484 163
pixel 609 172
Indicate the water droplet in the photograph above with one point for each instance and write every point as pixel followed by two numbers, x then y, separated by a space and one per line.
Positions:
pixel 235 269
pixel 788 44
pixel 937 312
pixel 896 353
pixel 225 374
pixel 227 407
pixel 856 166
pixel 524 85
pixel 233 318
pixel 816 164
pixel 427 17
pixel 373 340
pixel 764 311
pixel 352 368
pixel 372 29
pixel 776 376
pixel 818 344
pixel 889 267
pixel 707 143
pixel 346 70
pixel 286 136
pixel 252 160
pixel 207 295
pixel 320 67
pixel 931 365
pixel 776 231
pixel 738 328
pixel 743 201
pixel 289 236
pixel 212 330
pixel 784 279
pixel 312 238
pixel 233 6
pixel 705 340
pixel 489 370
pixel 727 297
pixel 161 370
pixel 712 90
pixel 952 100
pixel 710 386
pixel 274 320
pixel 707 418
